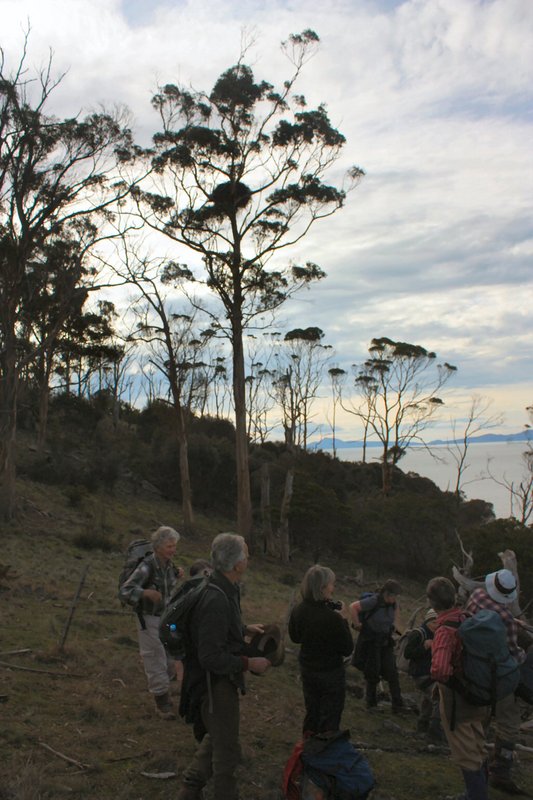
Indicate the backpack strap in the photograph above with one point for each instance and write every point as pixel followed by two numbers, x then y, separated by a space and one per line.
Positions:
pixel 149 559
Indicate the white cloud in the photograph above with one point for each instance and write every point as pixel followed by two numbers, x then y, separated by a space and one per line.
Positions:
pixel 434 97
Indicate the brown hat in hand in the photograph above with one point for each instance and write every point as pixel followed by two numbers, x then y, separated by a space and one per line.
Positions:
pixel 268 644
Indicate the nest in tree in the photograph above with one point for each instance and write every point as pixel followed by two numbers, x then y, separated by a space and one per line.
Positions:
pixel 229 195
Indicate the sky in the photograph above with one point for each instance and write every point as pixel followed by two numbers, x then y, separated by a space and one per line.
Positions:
pixel 434 97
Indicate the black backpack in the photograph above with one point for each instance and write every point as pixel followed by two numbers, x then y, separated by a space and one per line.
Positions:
pixel 136 552
pixel 174 629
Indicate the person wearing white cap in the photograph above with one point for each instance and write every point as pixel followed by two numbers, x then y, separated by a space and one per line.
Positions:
pixel 499 593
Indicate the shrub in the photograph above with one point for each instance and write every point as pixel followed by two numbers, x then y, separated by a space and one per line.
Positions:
pixel 94 541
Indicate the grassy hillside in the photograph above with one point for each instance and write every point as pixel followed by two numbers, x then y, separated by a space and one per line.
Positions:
pixel 89 703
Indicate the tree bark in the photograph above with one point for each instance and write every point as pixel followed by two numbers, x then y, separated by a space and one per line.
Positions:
pixel 244 500
pixel 185 478
pixel 386 476
pixel 284 517
pixel 44 401
pixel 268 534
pixel 8 428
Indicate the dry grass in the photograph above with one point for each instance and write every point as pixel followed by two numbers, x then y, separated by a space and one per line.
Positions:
pixel 90 703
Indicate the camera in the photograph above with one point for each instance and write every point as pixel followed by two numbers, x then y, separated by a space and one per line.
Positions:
pixel 335 605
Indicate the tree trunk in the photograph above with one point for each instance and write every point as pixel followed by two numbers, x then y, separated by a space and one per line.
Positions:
pixel 386 477
pixel 284 534
pixel 185 478
pixel 44 399
pixel 244 500
pixel 268 533
pixel 8 430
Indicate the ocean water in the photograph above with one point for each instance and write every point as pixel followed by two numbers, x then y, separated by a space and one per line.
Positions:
pixel 501 460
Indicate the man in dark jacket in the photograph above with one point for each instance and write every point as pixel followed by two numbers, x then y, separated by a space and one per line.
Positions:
pixel 214 673
pixel 375 617
pixel 418 653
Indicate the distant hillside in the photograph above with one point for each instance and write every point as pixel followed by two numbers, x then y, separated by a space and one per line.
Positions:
pixel 486 438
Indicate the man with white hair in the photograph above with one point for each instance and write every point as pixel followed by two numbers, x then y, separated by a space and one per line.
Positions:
pixel 214 673
pixel 499 592
pixel 148 589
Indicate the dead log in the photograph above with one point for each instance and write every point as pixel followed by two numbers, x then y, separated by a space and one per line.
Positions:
pixel 466 584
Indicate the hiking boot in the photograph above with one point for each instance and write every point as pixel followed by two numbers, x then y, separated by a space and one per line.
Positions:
pixel 165 706
pixel 500 767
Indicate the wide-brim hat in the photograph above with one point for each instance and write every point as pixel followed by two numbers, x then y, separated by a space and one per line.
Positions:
pixel 501 586
pixel 268 644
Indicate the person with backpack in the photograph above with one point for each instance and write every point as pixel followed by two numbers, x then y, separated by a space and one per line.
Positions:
pixel 463 723
pixel 375 615
pixel 320 625
pixel 499 592
pixel 418 653
pixel 214 669
pixel 148 589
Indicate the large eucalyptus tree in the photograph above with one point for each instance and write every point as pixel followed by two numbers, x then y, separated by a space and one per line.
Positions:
pixel 239 176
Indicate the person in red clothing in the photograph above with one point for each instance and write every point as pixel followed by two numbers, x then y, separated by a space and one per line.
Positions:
pixel 463 724
pixel 499 592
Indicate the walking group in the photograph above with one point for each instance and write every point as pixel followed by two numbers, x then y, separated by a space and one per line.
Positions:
pixel 221 649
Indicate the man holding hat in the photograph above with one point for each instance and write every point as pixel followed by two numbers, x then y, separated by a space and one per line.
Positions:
pixel 499 593
pixel 214 673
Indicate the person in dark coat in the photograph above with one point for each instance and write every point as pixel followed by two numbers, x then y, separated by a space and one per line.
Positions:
pixel 418 653
pixel 320 625
pixel 214 674
pixel 375 617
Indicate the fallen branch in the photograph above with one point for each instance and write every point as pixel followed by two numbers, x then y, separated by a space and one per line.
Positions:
pixel 73 608
pixel 40 671
pixel 161 775
pixel 15 652
pixel 64 757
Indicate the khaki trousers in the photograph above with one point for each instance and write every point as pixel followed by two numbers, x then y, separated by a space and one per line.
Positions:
pixel 159 667
pixel 467 739
pixel 507 719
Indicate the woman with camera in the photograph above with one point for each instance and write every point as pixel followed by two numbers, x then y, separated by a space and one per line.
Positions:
pixel 320 625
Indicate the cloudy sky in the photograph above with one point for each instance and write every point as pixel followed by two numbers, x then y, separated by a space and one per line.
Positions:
pixel 434 97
